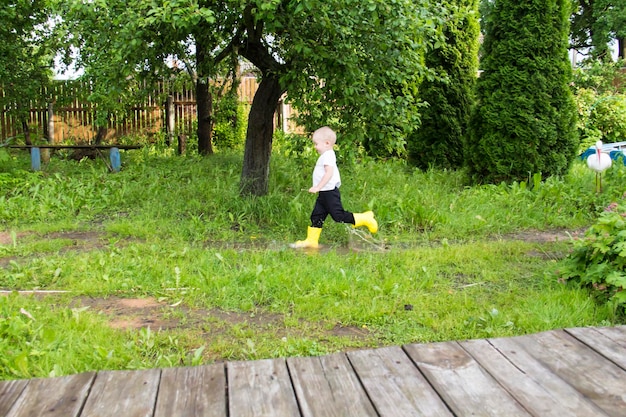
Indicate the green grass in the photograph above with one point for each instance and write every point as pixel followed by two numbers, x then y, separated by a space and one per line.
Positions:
pixel 175 229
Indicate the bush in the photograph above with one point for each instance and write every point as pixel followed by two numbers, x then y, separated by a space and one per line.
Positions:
pixel 230 118
pixel 439 139
pixel 601 117
pixel 600 94
pixel 598 261
pixel 525 120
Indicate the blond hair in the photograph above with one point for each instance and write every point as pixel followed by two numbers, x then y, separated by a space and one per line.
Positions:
pixel 326 134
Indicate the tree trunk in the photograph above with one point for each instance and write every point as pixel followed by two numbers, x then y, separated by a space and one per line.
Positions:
pixel 169 120
pixel 256 158
pixel 101 135
pixel 26 130
pixel 204 103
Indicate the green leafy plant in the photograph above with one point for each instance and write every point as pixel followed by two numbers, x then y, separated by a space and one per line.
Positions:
pixel 598 261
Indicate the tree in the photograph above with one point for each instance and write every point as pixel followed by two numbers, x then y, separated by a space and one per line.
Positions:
pixel 595 23
pixel 439 139
pixel 26 56
pixel 525 120
pixel 353 65
pixel 126 45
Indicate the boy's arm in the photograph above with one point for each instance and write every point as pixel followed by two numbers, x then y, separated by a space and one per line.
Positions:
pixel 328 173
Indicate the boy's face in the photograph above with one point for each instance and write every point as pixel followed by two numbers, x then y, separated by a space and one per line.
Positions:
pixel 321 145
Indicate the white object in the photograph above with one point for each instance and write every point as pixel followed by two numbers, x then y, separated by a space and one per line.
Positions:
pixel 599 161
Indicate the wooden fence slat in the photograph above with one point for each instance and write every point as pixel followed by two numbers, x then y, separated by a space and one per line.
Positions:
pixel 192 391
pixel 539 390
pixel 328 386
pixel 395 385
pixel 260 388
pixel 56 397
pixel 462 383
pixel 590 373
pixel 123 393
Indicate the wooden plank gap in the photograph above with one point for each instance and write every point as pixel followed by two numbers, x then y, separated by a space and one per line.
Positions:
pixel 590 373
pixel 327 386
pixel 462 383
pixel 534 386
pixel 10 391
pixel 608 342
pixel 395 385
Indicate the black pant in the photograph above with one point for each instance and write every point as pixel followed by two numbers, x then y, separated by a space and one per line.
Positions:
pixel 329 202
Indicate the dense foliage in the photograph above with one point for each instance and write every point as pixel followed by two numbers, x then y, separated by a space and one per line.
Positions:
pixel 600 94
pixel 438 141
pixel 598 262
pixel 595 24
pixel 26 56
pixel 525 120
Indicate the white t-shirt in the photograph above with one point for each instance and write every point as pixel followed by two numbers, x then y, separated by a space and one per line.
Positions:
pixel 327 158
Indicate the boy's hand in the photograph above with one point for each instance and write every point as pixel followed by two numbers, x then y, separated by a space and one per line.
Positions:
pixel 314 190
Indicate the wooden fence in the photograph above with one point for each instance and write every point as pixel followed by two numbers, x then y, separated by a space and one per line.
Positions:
pixel 70 117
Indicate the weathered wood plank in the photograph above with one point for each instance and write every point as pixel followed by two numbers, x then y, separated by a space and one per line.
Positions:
pixel 192 391
pixel 616 333
pixel 540 391
pixel 260 388
pixel 9 392
pixel 462 383
pixel 123 393
pixel 590 373
pixel 328 386
pixel 395 385
pixel 609 342
pixel 51 397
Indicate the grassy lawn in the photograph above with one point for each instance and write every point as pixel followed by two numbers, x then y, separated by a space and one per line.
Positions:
pixel 164 264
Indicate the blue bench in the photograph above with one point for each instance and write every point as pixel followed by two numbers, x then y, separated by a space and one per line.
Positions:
pixel 114 153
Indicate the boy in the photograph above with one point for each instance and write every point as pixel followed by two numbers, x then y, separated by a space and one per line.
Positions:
pixel 326 182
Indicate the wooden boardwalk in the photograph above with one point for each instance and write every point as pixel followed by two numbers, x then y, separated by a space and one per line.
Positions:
pixel 571 372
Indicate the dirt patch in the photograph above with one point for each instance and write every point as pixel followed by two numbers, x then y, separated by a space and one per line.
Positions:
pixel 6 238
pixel 137 313
pixel 547 236
pixel 79 241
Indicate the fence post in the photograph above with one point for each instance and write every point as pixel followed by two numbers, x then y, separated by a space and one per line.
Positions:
pixel 45 152
pixel 51 122
pixel 170 115
pixel 182 144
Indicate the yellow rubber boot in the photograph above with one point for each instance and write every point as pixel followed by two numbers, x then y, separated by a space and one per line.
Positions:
pixel 366 219
pixel 312 237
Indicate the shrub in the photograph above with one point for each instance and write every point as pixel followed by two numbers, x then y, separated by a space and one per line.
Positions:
pixel 600 117
pixel 439 139
pixel 598 261
pixel 229 131
pixel 525 120
pixel 599 90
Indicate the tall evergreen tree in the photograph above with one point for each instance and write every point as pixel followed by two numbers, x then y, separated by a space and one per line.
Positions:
pixel 524 122
pixel 439 139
